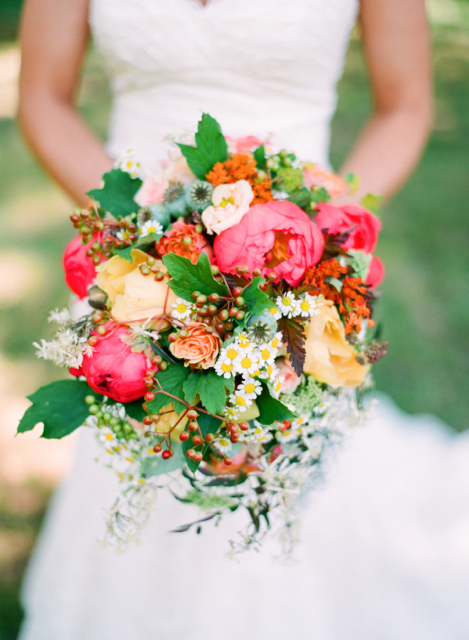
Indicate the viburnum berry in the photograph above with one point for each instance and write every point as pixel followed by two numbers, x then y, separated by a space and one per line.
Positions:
pixel 147 420
pixel 209 437
pixel 149 373
pixel 157 448
pixel 195 295
pixel 168 453
pixel 74 218
pixel 197 440
pixel 241 269
pixel 272 275
pixel 193 426
pixel 148 382
pixel 244 426
pixel 201 301
pixel 97 260
pixel 232 312
pixel 192 414
pixel 231 426
pixel 234 438
pixel 159 276
pixel 239 301
pixel 228 336
pixel 223 315
pixel 220 327
pixel 240 314
pixel 237 291
pixel 97 318
pixel 212 309
pixel 155 418
pixel 173 337
pixel 164 365
pixel 157 359
pixel 214 298
pixel 198 457
pixel 89 253
pixel 149 396
pixel 256 273
pixel 184 436
pixel 228 461
pixel 132 227
pixel 190 453
pixel 214 269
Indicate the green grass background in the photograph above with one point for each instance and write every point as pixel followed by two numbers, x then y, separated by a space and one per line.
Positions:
pixel 424 244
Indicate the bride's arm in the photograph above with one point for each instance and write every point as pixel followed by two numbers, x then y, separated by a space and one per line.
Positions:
pixel 54 36
pixel 397 51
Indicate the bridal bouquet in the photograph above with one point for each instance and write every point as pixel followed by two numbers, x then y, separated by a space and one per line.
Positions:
pixel 223 347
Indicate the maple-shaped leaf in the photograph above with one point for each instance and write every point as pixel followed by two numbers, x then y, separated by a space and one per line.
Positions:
pixel 117 195
pixel 294 337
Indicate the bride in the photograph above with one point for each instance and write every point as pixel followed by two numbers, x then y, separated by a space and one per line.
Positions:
pixel 384 552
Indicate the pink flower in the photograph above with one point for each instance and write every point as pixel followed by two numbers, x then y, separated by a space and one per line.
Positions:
pixel 376 273
pixel 274 235
pixel 151 191
pixel 314 176
pixel 288 377
pixel 80 271
pixel 363 225
pixel 243 145
pixel 114 369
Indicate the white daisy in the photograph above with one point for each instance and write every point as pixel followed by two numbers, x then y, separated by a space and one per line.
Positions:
pixel 270 372
pixel 251 388
pixel 240 400
pixel 181 309
pixel 247 363
pixel 266 354
pixel 231 413
pixel 287 305
pixel 308 305
pixel 261 435
pixel 224 369
pixel 127 163
pixel 223 444
pixel 244 341
pixel 275 311
pixel 151 226
pixel 276 342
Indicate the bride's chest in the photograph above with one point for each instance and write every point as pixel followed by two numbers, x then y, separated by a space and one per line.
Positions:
pixel 249 36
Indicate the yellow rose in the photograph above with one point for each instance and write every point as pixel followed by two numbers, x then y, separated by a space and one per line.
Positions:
pixel 133 296
pixel 329 357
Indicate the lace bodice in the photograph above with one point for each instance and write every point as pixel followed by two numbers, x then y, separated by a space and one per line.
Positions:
pixel 258 66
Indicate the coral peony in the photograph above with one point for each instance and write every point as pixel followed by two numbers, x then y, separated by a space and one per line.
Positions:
pixel 362 225
pixel 274 235
pixel 183 240
pixel 80 271
pixel 114 369
pixel 329 357
pixel 376 273
pixel 131 295
pixel 200 348
pixel 231 203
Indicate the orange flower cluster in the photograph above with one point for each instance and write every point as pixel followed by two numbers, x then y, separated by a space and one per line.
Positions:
pixel 182 240
pixel 350 299
pixel 241 167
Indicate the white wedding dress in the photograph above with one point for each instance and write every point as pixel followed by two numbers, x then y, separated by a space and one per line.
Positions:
pixel 385 542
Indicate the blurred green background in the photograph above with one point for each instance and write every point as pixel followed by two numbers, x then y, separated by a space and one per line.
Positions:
pixel 425 246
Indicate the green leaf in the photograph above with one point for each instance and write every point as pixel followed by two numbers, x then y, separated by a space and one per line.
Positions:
pixel 208 424
pixel 192 464
pixel 319 194
pixel 259 157
pixel 294 337
pixel 353 182
pixel 187 277
pixel 117 195
pixel 271 409
pixel 335 282
pixel 301 197
pixel 60 406
pixel 172 381
pixel 144 243
pixel 154 465
pixel 372 202
pixel 210 388
pixel 255 298
pixel 135 410
pixel 211 147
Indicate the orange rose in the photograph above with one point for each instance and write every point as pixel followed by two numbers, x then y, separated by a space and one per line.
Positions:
pixel 200 348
